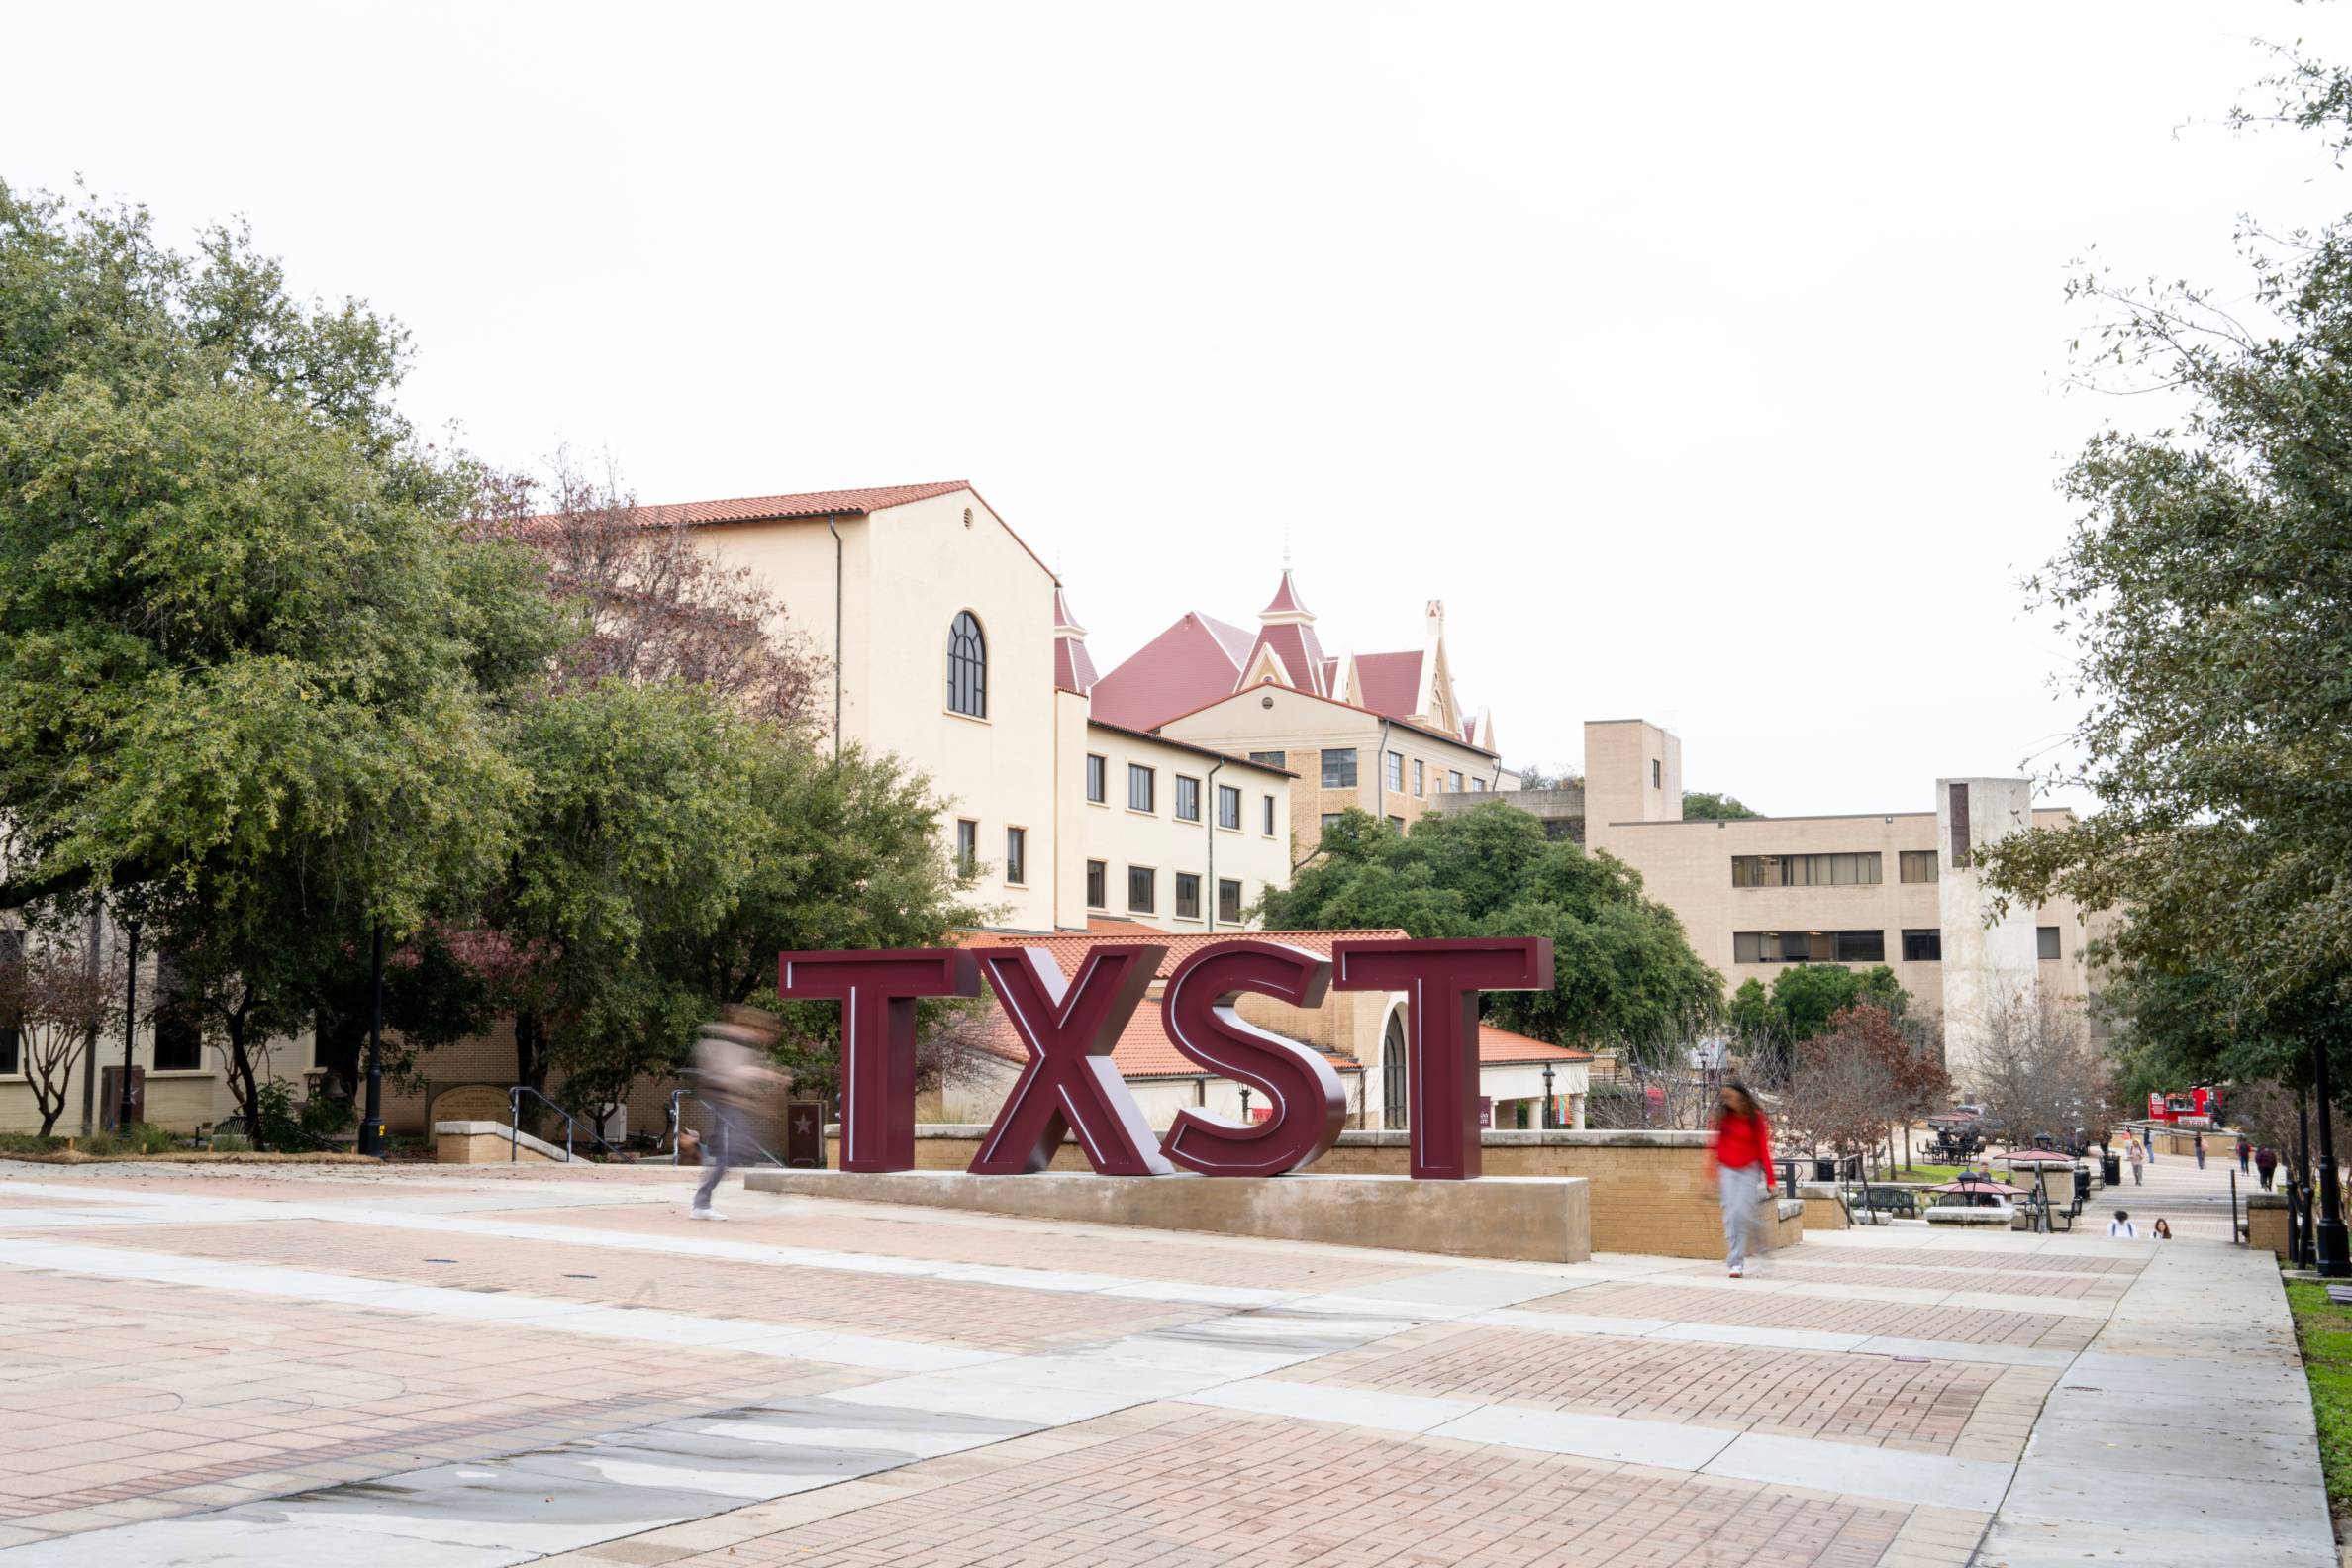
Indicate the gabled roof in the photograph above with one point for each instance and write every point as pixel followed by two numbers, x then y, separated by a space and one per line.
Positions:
pixel 1197 658
pixel 1501 1048
pixel 1390 682
pixel 1293 691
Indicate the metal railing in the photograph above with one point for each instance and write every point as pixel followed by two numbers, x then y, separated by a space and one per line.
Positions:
pixel 570 1125
pixel 677 1095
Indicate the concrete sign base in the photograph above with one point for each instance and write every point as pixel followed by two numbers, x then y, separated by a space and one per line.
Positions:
pixel 1542 1218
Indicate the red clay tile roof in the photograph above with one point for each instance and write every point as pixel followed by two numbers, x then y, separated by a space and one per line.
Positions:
pixel 1500 1047
pixel 1194 661
pixel 811 502
pixel 1391 682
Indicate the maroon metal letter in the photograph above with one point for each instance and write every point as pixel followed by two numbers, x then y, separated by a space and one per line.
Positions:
pixel 1441 980
pixel 1308 1106
pixel 877 992
pixel 1070 1084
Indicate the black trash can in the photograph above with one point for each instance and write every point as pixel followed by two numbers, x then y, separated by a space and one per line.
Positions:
pixel 1824 1170
pixel 2082 1184
pixel 2111 1168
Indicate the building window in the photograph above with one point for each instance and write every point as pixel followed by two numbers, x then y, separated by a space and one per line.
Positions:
pixel 1922 946
pixel 1478 786
pixel 1417 775
pixel 1657 775
pixel 1280 759
pixel 1228 807
pixel 967 666
pixel 1393 1097
pixel 1918 865
pixel 967 847
pixel 1140 781
pixel 1188 799
pixel 1340 769
pixel 1328 818
pixel 1098 785
pixel 1269 816
pixel 179 1041
pixel 1396 771
pixel 1188 895
pixel 1017 855
pixel 1805 870
pixel 2046 939
pixel 1097 885
pixel 1453 780
pixel 1397 823
pixel 1143 894
pixel 1798 947
pixel 12 955
pixel 1228 901
pixel 1956 808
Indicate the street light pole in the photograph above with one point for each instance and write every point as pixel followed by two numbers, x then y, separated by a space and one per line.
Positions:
pixel 372 1128
pixel 1547 1095
pixel 130 1029
pixel 2333 1261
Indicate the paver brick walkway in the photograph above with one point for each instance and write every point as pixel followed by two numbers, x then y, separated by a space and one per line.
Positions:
pixel 1824 1315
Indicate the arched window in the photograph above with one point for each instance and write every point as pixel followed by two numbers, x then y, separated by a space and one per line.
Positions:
pixel 967 666
pixel 1393 1093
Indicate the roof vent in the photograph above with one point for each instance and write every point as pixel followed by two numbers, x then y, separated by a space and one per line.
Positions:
pixel 967 517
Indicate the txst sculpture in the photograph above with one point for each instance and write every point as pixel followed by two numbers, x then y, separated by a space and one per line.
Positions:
pixel 1069 1025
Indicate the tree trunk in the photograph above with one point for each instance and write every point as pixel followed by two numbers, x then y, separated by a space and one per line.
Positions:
pixel 530 1050
pixel 242 1081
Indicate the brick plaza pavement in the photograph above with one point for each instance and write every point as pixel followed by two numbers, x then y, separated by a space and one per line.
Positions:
pixel 482 1367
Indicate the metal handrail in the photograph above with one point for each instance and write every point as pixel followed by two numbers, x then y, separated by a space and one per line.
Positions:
pixel 570 1122
pixel 683 1093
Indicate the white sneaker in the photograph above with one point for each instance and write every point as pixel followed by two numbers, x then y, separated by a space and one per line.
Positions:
pixel 703 1214
pixel 1736 1271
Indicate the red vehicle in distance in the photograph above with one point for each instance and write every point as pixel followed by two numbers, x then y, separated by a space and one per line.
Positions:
pixel 2198 1108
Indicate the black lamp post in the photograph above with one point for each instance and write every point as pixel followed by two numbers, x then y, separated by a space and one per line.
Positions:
pixel 1245 1102
pixel 371 1127
pixel 2333 1261
pixel 129 1028
pixel 1547 1095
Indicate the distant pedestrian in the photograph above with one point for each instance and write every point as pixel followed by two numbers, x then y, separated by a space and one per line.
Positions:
pixel 2149 1138
pixel 1743 1173
pixel 2199 1142
pixel 2245 1154
pixel 2163 1229
pixel 2138 1156
pixel 730 1069
pixel 2266 1165
pixel 2121 1227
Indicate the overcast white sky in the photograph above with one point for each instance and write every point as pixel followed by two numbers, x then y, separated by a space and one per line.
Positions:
pixel 1705 359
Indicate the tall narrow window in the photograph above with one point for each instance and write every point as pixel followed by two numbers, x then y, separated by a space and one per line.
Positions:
pixel 12 955
pixel 1269 829
pixel 1140 787
pixel 1142 891
pixel 1453 780
pixel 1228 807
pixel 1393 1106
pixel 1657 775
pixel 1097 787
pixel 1188 799
pixel 967 666
pixel 1395 770
pixel 1017 855
pixel 179 1039
pixel 1098 892
pixel 1959 814
pixel 1188 894
pixel 1417 775
pixel 1340 769
pixel 967 847
pixel 1228 901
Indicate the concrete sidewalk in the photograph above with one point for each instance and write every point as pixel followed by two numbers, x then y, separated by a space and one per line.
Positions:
pixel 2182 1436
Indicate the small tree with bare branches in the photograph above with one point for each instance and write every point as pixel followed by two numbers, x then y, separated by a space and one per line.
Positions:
pixel 56 999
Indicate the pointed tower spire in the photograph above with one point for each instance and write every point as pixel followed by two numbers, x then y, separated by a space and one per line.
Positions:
pixel 1073 667
pixel 1286 604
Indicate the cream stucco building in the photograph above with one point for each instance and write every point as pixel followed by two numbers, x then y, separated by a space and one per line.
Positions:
pixel 1899 888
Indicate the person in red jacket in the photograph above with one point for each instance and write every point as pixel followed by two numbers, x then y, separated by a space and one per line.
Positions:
pixel 1743 1173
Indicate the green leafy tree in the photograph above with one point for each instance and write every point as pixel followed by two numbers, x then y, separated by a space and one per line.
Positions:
pixel 1706 805
pixel 1624 970
pixel 1804 999
pixel 2208 587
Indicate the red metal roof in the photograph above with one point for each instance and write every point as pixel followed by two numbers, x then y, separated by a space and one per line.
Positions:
pixel 1194 661
pixel 1301 655
pixel 1391 682
pixel 1286 599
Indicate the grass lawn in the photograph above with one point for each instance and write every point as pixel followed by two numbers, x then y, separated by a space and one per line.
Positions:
pixel 1924 1172
pixel 2324 1330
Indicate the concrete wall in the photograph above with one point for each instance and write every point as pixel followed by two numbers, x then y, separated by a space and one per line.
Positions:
pixel 1122 838
pixel 1990 964
pixel 1632 772
pixel 1649 1192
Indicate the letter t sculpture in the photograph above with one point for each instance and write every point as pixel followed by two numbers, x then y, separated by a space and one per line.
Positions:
pixel 877 992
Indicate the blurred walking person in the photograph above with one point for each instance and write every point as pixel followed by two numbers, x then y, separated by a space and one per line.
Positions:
pixel 2139 1158
pixel 2201 1151
pixel 2266 1165
pixel 2245 1152
pixel 732 1070
pixel 1743 1174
